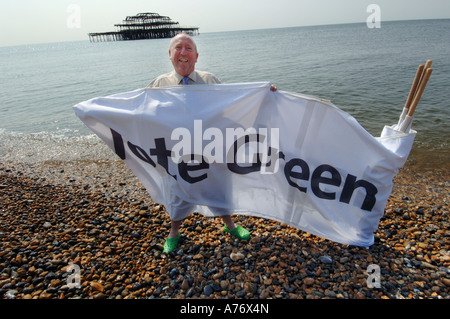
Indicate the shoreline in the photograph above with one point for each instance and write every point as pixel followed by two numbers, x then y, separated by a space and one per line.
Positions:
pixel 98 216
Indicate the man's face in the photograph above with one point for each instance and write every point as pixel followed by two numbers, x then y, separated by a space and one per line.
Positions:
pixel 183 54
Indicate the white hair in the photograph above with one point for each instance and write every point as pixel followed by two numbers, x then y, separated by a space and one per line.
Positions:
pixel 182 34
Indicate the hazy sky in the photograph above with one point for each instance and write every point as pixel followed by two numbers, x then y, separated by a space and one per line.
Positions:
pixel 36 21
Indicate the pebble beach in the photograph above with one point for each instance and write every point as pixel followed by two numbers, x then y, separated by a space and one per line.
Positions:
pixel 94 220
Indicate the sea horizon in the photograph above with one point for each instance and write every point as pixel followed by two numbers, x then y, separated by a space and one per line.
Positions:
pixel 229 31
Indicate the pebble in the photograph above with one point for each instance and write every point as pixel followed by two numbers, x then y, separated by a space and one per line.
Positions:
pixel 11 294
pixel 326 259
pixel 99 219
pixel 250 287
pixel 308 281
pixel 174 273
pixel 185 284
pixel 236 256
pixel 208 290
pixel 97 286
pixel 265 293
pixel 190 293
pixel 224 284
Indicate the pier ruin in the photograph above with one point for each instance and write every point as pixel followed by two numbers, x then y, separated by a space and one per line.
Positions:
pixel 143 26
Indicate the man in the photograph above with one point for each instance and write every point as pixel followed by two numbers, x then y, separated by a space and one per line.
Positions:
pixel 183 54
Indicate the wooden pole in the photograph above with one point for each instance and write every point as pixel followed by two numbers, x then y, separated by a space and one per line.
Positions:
pixel 423 84
pixel 420 82
pixel 413 90
pixel 412 93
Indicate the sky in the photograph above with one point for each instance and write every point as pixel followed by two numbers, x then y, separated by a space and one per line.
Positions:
pixel 43 21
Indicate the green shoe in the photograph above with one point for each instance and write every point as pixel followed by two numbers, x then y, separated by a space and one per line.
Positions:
pixel 171 244
pixel 239 232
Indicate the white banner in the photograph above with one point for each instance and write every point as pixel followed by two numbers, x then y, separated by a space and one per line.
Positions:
pixel 242 149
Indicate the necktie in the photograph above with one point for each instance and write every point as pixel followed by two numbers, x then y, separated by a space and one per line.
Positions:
pixel 185 80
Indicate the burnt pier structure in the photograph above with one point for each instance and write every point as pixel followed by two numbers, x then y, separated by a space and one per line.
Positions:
pixel 143 26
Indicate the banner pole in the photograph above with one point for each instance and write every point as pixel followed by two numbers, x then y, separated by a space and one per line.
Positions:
pixel 426 67
pixel 420 81
pixel 412 93
pixel 418 96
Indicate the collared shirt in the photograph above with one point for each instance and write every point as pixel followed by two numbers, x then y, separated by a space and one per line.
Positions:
pixel 173 78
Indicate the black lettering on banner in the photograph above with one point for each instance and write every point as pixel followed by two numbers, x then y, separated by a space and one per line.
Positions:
pixel 349 187
pixel 318 179
pixel 289 172
pixel 141 154
pixel 238 169
pixel 119 148
pixel 162 154
pixel 296 170
pixel 276 156
pixel 184 167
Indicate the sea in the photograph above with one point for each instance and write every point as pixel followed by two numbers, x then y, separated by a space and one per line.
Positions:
pixel 367 72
